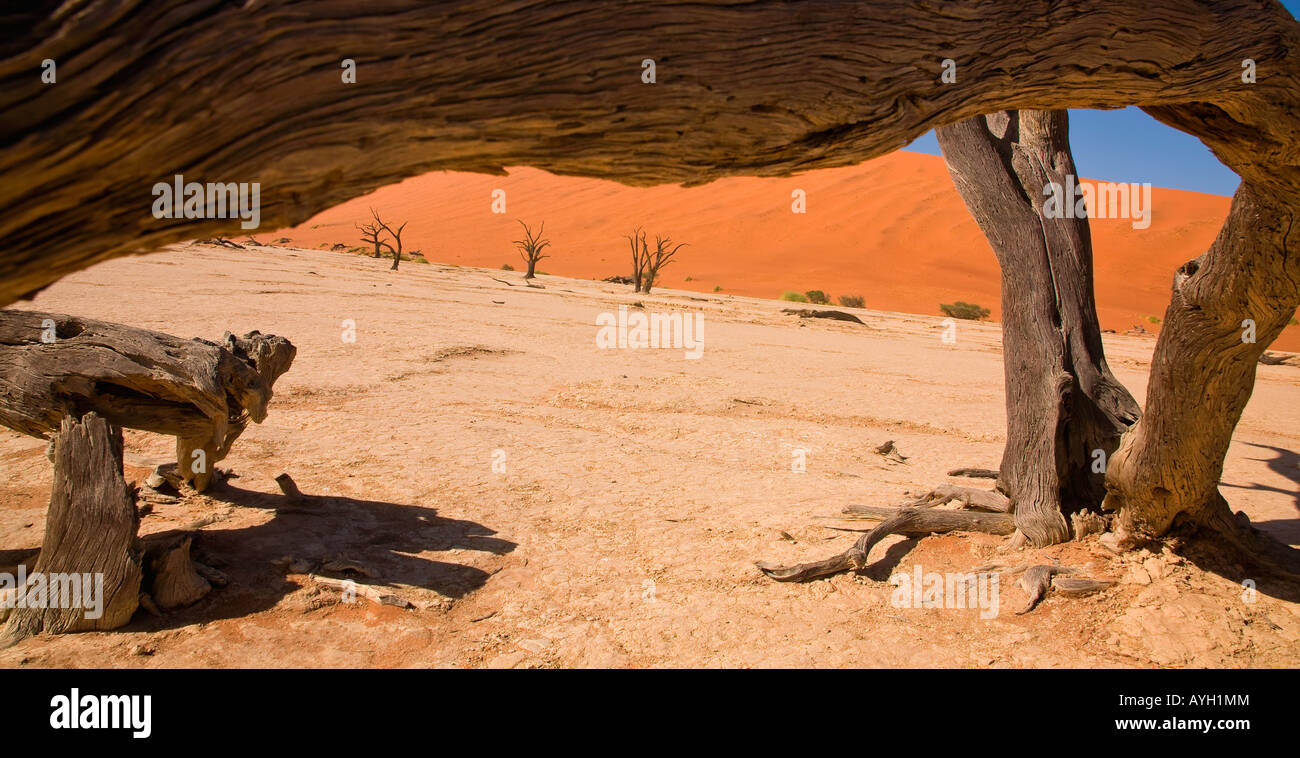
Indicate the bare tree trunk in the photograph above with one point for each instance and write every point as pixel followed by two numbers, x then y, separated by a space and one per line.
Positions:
pixel 532 269
pixel 1063 403
pixel 1203 372
pixel 90 534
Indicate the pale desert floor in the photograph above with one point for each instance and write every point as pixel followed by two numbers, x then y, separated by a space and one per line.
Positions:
pixel 639 486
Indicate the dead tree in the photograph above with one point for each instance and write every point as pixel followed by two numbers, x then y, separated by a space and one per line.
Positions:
pixel 396 235
pixel 531 247
pixel 370 234
pixel 53 366
pixel 640 256
pixel 658 258
pixel 90 533
pixel 1166 472
pixel 1065 409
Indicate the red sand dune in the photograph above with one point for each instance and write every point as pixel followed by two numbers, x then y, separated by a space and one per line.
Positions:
pixel 893 230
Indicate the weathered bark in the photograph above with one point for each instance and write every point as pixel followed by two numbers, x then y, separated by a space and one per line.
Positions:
pixel 53 366
pixel 90 533
pixel 1063 402
pixel 838 84
pixel 1202 375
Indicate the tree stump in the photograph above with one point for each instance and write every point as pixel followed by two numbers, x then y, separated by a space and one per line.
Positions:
pixel 90 561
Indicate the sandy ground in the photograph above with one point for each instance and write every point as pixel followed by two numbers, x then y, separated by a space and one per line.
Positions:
pixel 893 230
pixel 638 486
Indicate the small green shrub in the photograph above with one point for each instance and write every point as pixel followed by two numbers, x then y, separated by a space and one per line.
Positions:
pixel 1294 323
pixel 964 310
pixel 507 267
pixel 852 301
pixel 689 279
pixel 817 297
pixel 794 297
pixel 1153 319
pixel 717 288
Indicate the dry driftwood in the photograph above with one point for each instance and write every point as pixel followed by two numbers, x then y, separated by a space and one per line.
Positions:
pixel 204 393
pixel 975 473
pixel 1038 579
pixel 835 315
pixel 911 522
pixel 376 594
pixel 90 529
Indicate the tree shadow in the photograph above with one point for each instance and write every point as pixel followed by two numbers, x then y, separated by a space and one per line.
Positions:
pixel 881 569
pixel 1285 463
pixel 386 538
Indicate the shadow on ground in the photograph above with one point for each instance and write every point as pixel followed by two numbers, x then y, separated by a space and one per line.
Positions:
pixel 389 539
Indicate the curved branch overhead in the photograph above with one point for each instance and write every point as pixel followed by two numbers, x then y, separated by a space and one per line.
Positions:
pixel 253 92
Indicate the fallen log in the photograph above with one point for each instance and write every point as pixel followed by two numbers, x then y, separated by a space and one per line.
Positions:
pixel 90 562
pixel 835 315
pixel 975 473
pixel 53 366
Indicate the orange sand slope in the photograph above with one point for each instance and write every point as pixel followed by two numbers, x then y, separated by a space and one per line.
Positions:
pixel 893 230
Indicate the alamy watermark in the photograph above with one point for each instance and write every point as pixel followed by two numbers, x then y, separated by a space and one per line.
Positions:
pixel 192 200
pixel 1084 199
pixel 682 331
pixel 53 590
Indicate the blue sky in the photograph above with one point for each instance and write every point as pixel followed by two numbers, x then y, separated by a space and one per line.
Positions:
pixel 1129 146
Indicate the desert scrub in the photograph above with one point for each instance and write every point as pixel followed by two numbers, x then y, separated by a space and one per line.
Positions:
pixel 817 297
pixel 852 301
pixel 794 297
pixel 962 309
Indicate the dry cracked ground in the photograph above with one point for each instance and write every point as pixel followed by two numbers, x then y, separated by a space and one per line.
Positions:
pixel 632 489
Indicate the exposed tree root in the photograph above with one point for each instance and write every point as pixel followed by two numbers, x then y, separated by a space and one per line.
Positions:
pixel 1038 580
pixel 987 500
pixel 911 522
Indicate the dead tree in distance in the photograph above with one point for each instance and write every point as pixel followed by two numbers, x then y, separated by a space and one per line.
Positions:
pixel 531 247
pixel 396 235
pixel 370 234
pixel 658 258
pixel 640 256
